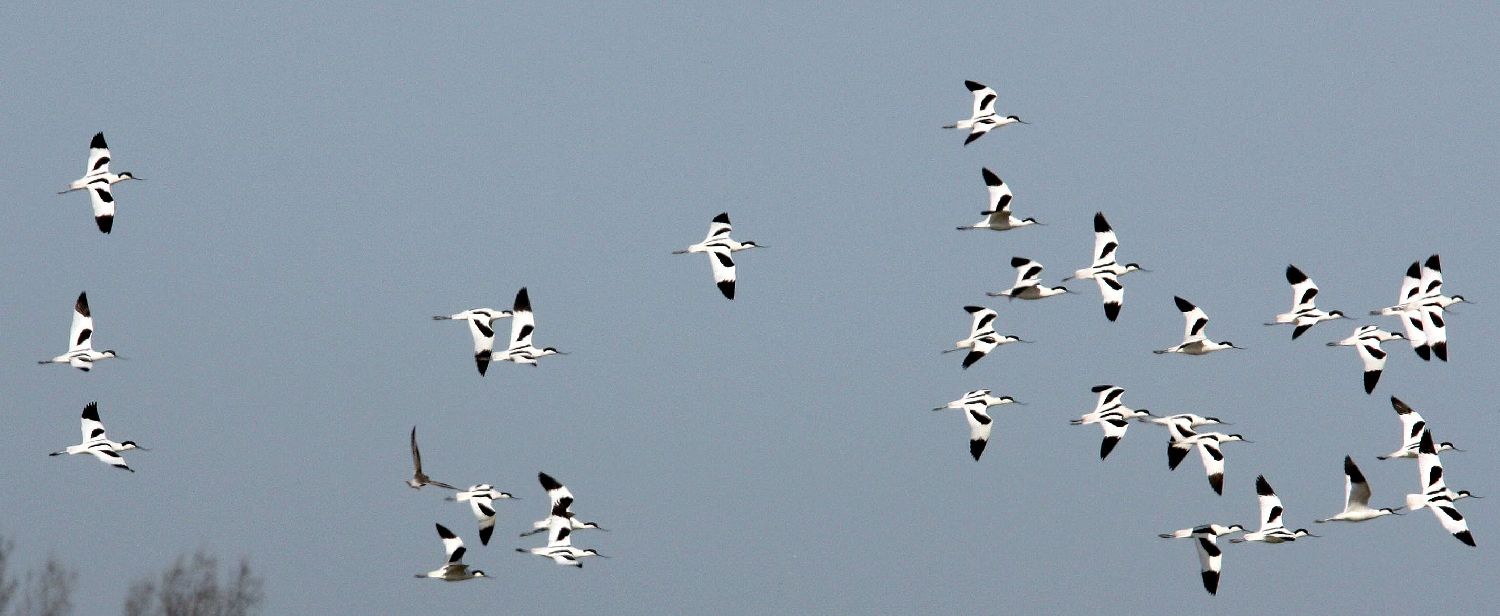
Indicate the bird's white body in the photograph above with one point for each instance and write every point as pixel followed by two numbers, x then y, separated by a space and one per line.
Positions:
pixel 1194 340
pixel 559 546
pixel 1435 495
pixel 1412 427
pixel 96 443
pixel 454 570
pixel 1366 342
pixel 997 216
pixel 1210 557
pixel 418 478
pixel 1106 269
pixel 1420 306
pixel 983 119
pixel 481 499
pixel 1028 283
pixel 561 506
pixel 718 245
pixel 482 329
pixel 975 405
pixel 1272 527
pixel 1112 416
pixel 81 353
pixel 522 326
pixel 97 180
pixel 982 337
pixel 1304 312
pixel 1211 449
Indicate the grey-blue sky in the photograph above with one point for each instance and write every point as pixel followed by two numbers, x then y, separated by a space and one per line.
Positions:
pixel 322 179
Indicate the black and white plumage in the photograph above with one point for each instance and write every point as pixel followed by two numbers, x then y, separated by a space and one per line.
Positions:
pixel 1211 448
pixel 1357 498
pixel 983 119
pixel 982 337
pixel 1180 428
pixel 454 570
pixel 1210 556
pixel 418 478
pixel 81 353
pixel 1106 269
pixel 482 330
pixel 1304 312
pixel 559 546
pixel 560 504
pixel 975 405
pixel 1412 427
pixel 1112 415
pixel 481 498
pixel 96 443
pixel 719 247
pixel 997 214
pixel 1028 283
pixel 1366 342
pixel 97 181
pixel 1272 524
pixel 522 326
pixel 1194 340
pixel 1420 306
pixel 1435 493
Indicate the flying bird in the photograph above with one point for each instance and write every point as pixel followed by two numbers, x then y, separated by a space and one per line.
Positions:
pixel 1180 428
pixel 81 353
pixel 984 118
pixel 522 326
pixel 482 329
pixel 455 570
pixel 97 180
pixel 561 506
pixel 1366 342
pixel 96 443
pixel 1272 528
pixel 1412 427
pixel 719 246
pixel 1028 282
pixel 1211 448
pixel 1357 498
pixel 1112 415
pixel 982 337
pixel 559 546
pixel 1194 340
pixel 997 216
pixel 1210 557
pixel 481 498
pixel 1106 270
pixel 1304 313
pixel 975 406
pixel 418 478
pixel 1435 493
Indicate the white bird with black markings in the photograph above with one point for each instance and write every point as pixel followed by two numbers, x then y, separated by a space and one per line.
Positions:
pixel 418 478
pixel 96 443
pixel 560 500
pixel 481 498
pixel 1210 556
pixel 482 330
pixel 97 179
pixel 975 405
pixel 522 326
pixel 997 216
pixel 1272 526
pixel 559 546
pixel 1435 493
pixel 1112 415
pixel 1357 498
pixel 1180 428
pixel 983 119
pixel 1194 340
pixel 1412 427
pixel 1028 282
pixel 1304 313
pixel 1106 269
pixel 454 570
pixel 81 353
pixel 982 337
pixel 719 246
pixel 1366 342
pixel 1211 448
pixel 1433 305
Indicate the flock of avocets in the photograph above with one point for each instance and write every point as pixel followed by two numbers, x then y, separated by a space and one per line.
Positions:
pixel 1420 306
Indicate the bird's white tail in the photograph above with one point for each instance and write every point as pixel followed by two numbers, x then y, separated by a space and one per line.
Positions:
pixel 1416 501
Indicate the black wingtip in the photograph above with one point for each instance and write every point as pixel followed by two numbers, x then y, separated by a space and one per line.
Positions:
pixel 91 412
pixel 973 309
pixel 1352 470
pixel 1426 445
pixel 1100 224
pixel 1424 352
pixel 1440 349
pixel 1111 311
pixel 972 357
pixel 1211 582
pixel 973 86
pixel 1299 330
pixel 1101 388
pixel 1371 378
pixel 1465 537
pixel 1402 408
pixel 82 305
pixel 1294 275
pixel 523 301
pixel 990 179
pixel 1263 487
pixel 727 288
pixel 548 483
pixel 1107 445
pixel 98 141
pixel 1434 264
pixel 1183 304
pixel 1019 261
pixel 1415 271
pixel 976 447
pixel 484 535
pixel 1175 456
pixel 722 218
pixel 444 532
pixel 972 137
pixel 1217 483
pixel 106 222
pixel 482 361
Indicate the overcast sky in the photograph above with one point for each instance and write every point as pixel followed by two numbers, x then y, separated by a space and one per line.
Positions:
pixel 321 179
